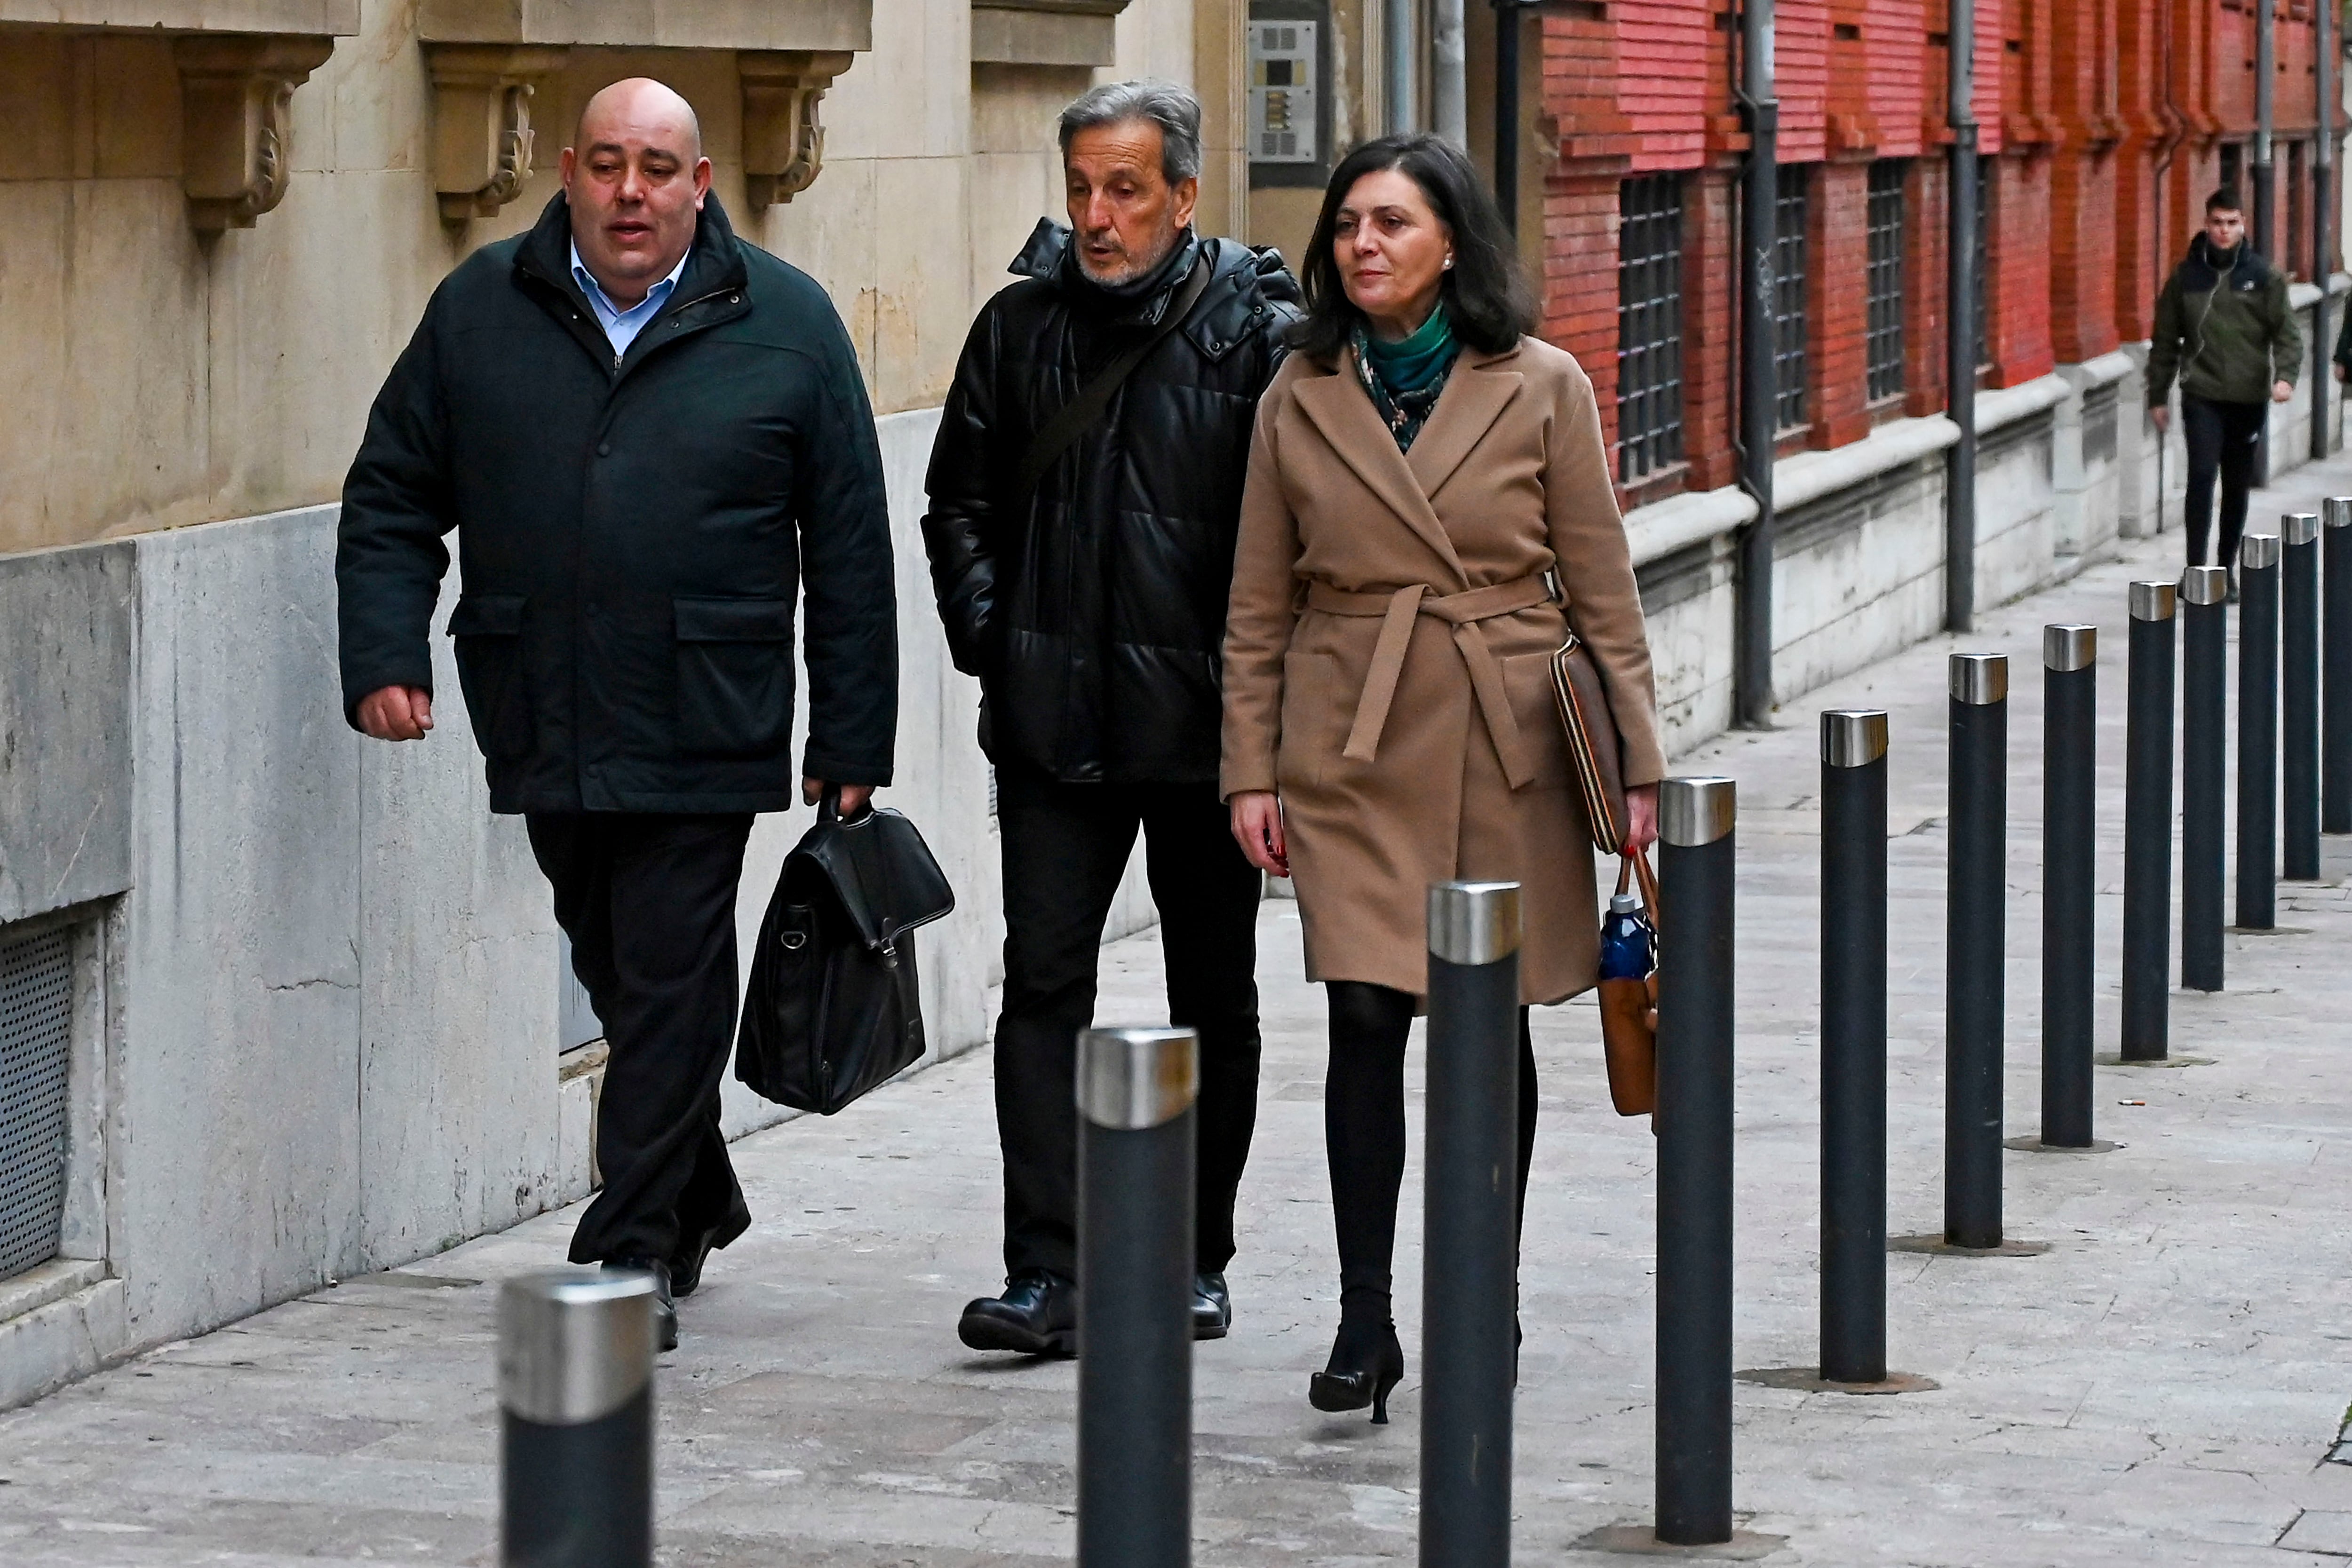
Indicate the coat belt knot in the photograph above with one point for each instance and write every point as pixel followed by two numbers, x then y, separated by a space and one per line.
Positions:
pixel 1463 612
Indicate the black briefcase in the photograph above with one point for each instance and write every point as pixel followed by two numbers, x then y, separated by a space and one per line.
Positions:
pixel 833 1007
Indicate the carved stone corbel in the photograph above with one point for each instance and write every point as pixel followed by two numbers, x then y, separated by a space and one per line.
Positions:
pixel 234 92
pixel 482 138
pixel 783 143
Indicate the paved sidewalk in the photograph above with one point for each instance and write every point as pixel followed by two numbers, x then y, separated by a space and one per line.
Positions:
pixel 2162 1388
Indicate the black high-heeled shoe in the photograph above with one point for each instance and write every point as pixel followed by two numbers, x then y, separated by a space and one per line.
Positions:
pixel 1366 1363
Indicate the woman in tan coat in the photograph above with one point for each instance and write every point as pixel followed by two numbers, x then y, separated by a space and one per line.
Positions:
pixel 1428 511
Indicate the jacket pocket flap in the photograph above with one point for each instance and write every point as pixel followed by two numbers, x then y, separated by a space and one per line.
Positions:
pixel 486 616
pixel 734 620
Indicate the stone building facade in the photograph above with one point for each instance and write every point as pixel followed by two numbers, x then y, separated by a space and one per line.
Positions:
pixel 294 1005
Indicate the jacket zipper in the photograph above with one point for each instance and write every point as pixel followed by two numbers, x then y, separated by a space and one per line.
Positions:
pixel 671 319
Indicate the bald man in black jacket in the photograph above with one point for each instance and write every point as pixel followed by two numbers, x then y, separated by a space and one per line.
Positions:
pixel 650 437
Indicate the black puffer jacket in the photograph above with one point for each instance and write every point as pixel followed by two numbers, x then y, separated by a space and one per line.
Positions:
pixel 1094 611
pixel 633 534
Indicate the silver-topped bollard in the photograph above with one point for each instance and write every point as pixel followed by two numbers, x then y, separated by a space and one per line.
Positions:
pixel 1136 1091
pixel 2148 838
pixel 2070 761
pixel 1469 1349
pixel 2299 694
pixel 2335 690
pixel 1975 922
pixel 576 1398
pixel 1696 864
pixel 1853 1046
pixel 2204 777
pixel 2258 651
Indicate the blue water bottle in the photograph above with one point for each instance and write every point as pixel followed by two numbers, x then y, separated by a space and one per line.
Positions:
pixel 1626 940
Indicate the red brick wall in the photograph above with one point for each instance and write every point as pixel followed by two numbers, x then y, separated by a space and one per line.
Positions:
pixel 1837 309
pixel 1924 321
pixel 2106 118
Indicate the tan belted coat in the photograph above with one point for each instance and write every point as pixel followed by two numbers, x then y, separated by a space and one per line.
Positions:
pixel 1387 655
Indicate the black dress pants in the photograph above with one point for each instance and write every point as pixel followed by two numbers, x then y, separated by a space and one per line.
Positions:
pixel 1363 1133
pixel 2222 438
pixel 648 901
pixel 1066 847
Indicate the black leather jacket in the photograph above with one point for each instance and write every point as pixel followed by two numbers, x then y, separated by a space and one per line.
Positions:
pixel 1094 611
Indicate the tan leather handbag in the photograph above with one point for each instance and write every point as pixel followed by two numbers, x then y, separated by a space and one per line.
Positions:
pixel 1628 1015
pixel 1629 1008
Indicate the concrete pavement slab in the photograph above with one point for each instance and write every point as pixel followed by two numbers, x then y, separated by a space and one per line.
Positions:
pixel 2162 1386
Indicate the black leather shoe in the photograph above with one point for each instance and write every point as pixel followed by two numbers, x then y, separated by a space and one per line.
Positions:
pixel 1366 1363
pixel 694 1250
pixel 1213 1307
pixel 664 1304
pixel 1037 1316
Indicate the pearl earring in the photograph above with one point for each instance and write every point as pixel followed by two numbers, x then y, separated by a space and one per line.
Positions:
pixel 1449 262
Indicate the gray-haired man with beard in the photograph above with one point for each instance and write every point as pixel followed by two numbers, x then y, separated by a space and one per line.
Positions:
pixel 1083 559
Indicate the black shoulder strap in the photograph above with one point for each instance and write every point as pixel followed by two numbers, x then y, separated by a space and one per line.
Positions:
pixel 1074 417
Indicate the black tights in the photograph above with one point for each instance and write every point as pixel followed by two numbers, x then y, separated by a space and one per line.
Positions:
pixel 1363 1129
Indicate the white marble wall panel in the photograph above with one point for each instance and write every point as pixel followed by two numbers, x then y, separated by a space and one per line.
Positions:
pixel 1869 581
pixel 2016 547
pixel 458 966
pixel 2087 444
pixel 65 644
pixel 1690 609
pixel 236 1133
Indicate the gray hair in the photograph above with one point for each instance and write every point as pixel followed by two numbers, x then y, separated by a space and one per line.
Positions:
pixel 1160 103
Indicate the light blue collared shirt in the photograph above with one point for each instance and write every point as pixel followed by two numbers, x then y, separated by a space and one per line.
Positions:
pixel 621 327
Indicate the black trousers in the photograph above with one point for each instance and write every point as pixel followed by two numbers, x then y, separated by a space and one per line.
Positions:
pixel 1363 1133
pixel 1066 847
pixel 2222 438
pixel 649 904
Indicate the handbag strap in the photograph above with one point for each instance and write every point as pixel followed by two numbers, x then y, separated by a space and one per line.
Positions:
pixel 1638 863
pixel 1074 417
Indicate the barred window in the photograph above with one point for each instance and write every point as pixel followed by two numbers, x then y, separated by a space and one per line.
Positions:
pixel 1884 336
pixel 1788 301
pixel 2295 245
pixel 1988 167
pixel 1649 325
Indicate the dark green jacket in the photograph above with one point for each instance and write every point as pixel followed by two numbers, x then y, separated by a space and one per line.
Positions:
pixel 2226 331
pixel 633 535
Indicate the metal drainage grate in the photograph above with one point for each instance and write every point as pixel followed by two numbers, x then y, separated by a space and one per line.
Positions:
pixel 35 1028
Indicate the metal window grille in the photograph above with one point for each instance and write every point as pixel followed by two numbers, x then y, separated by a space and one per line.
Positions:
pixel 1987 167
pixel 1789 302
pixel 1649 325
pixel 1884 336
pixel 2296 247
pixel 35 1028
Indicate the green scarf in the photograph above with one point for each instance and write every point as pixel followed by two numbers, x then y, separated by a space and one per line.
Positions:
pixel 1405 379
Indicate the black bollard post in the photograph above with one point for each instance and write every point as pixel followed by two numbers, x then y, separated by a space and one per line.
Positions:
pixel 1136 1088
pixel 1470 1240
pixel 2299 693
pixel 1696 864
pixel 1974 922
pixel 2336 743
pixel 2258 611
pixel 2069 760
pixel 576 1422
pixel 2204 776
pixel 1853 1047
pixel 2147 836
